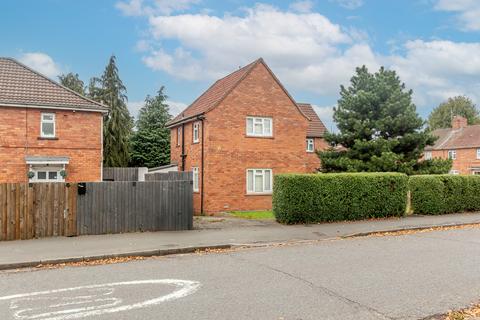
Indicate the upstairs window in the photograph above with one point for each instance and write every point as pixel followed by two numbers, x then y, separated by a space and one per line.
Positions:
pixel 47 125
pixel 179 135
pixel 428 155
pixel 259 181
pixel 478 153
pixel 452 154
pixel 196 132
pixel 310 145
pixel 259 127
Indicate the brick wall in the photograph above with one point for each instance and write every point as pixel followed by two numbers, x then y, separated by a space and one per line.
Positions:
pixel 78 137
pixel 193 159
pixel 313 162
pixel 465 160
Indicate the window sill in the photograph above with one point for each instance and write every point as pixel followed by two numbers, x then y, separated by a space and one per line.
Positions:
pixel 195 142
pixel 258 194
pixel 47 138
pixel 310 151
pixel 259 137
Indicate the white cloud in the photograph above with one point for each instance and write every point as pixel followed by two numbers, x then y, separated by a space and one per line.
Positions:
pixel 131 8
pixel 307 51
pixel 209 44
pixel 349 4
pixel 134 107
pixel 468 12
pixel 175 107
pixel 151 7
pixel 42 63
pixel 326 115
pixel 437 70
pixel 302 6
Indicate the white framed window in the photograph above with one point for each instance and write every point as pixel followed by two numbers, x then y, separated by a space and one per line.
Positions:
pixel 259 127
pixel 47 174
pixel 179 135
pixel 454 172
pixel 310 145
pixel 47 125
pixel 195 179
pixel 452 154
pixel 259 181
pixel 478 153
pixel 428 155
pixel 196 132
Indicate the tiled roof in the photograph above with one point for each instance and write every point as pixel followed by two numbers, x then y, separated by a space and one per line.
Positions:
pixel 22 86
pixel 215 94
pixel 219 90
pixel 466 137
pixel 316 128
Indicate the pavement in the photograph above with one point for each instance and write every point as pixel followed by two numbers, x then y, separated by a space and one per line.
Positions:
pixel 209 232
pixel 410 276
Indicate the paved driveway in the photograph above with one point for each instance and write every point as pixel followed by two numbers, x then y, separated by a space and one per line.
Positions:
pixel 401 277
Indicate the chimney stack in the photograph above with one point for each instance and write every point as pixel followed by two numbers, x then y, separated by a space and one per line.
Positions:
pixel 459 122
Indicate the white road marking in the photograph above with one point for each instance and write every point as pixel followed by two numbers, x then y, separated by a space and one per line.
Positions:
pixel 99 295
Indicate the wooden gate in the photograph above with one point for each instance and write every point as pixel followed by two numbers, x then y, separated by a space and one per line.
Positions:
pixel 37 210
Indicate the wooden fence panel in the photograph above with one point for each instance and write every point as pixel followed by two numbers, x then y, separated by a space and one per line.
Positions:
pixel 169 176
pixel 34 210
pixel 56 209
pixel 115 207
pixel 120 174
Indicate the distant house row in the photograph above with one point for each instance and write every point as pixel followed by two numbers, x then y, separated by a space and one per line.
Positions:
pixel 234 137
pixel 461 144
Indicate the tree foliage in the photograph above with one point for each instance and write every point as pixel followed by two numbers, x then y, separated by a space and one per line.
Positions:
pixel 441 116
pixel 150 144
pixel 379 127
pixel 73 82
pixel 118 124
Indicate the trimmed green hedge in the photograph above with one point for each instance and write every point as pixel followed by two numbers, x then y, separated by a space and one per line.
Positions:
pixel 439 194
pixel 310 198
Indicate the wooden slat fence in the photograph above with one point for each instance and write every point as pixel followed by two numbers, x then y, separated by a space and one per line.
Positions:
pixel 116 207
pixel 37 210
pixel 169 176
pixel 120 174
pixel 67 209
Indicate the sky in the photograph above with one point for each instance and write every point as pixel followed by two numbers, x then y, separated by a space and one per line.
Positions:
pixel 313 46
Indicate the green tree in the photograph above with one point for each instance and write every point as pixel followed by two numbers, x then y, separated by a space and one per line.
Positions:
pixel 150 144
pixel 441 116
pixel 118 124
pixel 73 82
pixel 379 127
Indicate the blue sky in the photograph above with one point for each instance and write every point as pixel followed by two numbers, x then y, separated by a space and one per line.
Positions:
pixel 312 46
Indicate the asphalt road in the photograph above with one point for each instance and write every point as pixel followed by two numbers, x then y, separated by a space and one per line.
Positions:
pixel 396 277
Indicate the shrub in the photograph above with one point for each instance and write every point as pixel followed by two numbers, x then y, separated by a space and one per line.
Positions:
pixel 311 198
pixel 439 194
pixel 426 194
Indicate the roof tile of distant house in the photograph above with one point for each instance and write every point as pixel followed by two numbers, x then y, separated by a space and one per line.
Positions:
pixel 316 128
pixel 218 91
pixel 22 86
pixel 466 137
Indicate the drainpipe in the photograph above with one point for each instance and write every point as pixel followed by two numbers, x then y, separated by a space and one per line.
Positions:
pixel 183 147
pixel 201 185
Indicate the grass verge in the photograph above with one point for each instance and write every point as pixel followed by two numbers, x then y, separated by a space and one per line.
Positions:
pixel 254 215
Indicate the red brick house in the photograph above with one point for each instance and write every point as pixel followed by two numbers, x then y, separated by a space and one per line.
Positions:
pixel 48 133
pixel 239 133
pixel 461 143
